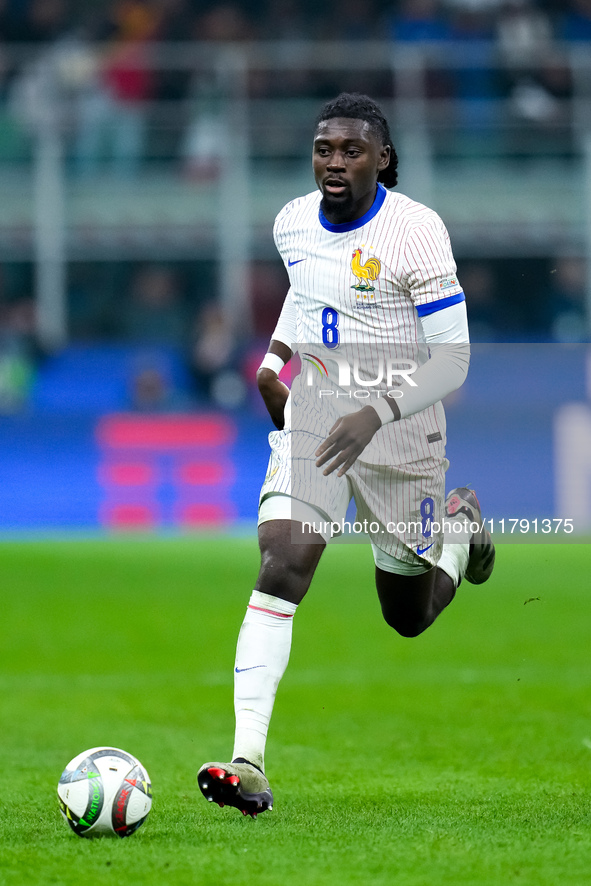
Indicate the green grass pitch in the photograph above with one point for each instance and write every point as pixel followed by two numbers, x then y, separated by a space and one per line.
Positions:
pixel 459 757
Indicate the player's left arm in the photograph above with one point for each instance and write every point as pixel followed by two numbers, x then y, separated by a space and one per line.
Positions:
pixel 446 331
pixel 430 273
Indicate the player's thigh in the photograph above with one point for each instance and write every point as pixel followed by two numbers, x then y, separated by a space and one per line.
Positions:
pixel 297 509
pixel 295 489
pixel 404 509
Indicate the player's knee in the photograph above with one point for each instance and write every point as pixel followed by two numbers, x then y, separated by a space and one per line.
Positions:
pixel 408 629
pixel 281 576
pixel 404 623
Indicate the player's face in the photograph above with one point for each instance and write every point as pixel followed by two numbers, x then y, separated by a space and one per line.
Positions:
pixel 347 158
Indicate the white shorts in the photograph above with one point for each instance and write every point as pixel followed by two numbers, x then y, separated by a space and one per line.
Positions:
pixel 397 505
pixel 278 506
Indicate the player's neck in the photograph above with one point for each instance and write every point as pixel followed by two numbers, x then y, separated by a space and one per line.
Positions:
pixel 341 213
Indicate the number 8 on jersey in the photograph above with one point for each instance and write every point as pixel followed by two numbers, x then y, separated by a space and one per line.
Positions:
pixel 330 332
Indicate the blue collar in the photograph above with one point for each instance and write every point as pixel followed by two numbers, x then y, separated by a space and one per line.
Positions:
pixel 359 222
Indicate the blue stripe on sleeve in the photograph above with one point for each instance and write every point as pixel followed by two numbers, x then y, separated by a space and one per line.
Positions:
pixel 432 306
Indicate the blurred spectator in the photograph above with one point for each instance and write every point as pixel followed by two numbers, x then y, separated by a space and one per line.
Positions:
pixel 12 18
pixel 46 20
pixel 477 82
pixel 418 21
pixel 155 313
pixel 524 32
pixel 152 387
pixel 112 109
pixel 213 359
pixel 530 101
pixel 576 22
pixel 92 308
pixel 350 20
pixel 213 346
pixel 569 314
pixel 537 94
pixel 481 7
pixel 18 352
pixel 224 23
pixel 478 283
pixel 175 20
pixel 149 390
pixel 268 287
pixel 200 145
pixel 200 150
pixel 175 24
pixel 536 76
pixel 33 21
pixel 423 22
pixel 286 20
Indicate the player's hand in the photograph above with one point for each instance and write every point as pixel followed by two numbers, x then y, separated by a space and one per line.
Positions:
pixel 347 440
pixel 274 394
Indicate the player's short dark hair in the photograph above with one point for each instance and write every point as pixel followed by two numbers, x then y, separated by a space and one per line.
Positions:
pixel 362 107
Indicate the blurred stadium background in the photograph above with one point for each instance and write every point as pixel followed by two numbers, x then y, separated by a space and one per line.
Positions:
pixel 145 148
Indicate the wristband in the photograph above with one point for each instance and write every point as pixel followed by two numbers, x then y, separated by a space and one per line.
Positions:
pixel 383 409
pixel 274 362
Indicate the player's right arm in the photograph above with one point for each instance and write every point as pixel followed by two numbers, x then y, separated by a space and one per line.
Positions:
pixel 272 390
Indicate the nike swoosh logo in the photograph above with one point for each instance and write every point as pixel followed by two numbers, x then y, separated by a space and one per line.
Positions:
pixel 291 263
pixel 423 550
pixel 254 667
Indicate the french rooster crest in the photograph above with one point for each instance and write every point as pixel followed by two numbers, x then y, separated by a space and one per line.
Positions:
pixel 365 273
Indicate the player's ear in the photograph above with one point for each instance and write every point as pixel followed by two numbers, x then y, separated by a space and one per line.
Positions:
pixel 384 160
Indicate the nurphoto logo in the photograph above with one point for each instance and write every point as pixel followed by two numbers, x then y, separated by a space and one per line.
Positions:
pixel 388 372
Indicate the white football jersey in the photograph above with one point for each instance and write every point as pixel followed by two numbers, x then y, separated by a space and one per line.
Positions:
pixel 362 284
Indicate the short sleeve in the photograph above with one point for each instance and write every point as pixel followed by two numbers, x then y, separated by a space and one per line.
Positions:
pixel 429 267
pixel 286 330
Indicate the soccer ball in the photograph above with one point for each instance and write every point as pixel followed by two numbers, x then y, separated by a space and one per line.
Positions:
pixel 104 791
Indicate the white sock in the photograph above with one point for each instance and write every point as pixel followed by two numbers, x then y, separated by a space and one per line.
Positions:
pixel 454 561
pixel 262 654
pixel 456 549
